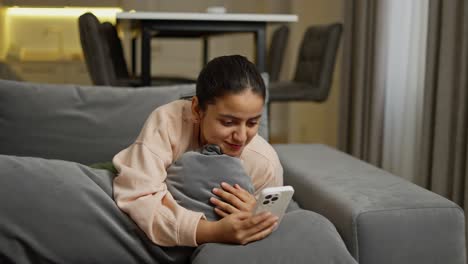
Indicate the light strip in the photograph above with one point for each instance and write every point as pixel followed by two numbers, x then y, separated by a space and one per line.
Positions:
pixel 62 12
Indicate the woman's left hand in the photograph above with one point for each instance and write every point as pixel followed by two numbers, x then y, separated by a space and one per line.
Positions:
pixel 235 199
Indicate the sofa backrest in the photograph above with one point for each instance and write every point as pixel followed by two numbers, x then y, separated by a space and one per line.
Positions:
pixel 85 124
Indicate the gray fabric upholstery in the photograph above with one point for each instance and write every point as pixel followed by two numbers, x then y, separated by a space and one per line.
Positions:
pixel 302 237
pixel 382 218
pixel 192 177
pixel 55 211
pixel 77 123
pixel 315 66
pixel 276 52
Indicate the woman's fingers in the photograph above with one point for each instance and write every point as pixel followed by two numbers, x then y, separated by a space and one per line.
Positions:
pixel 220 212
pixel 230 198
pixel 236 190
pixel 260 226
pixel 236 196
pixel 262 234
pixel 226 207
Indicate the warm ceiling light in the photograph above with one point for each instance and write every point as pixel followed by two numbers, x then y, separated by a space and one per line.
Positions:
pixel 62 12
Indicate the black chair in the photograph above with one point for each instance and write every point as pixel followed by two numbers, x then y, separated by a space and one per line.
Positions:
pixel 7 73
pixel 105 59
pixel 314 69
pixel 96 52
pixel 276 52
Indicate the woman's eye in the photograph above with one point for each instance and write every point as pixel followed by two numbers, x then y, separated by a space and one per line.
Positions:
pixel 252 123
pixel 227 123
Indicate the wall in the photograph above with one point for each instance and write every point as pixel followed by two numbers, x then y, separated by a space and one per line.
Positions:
pixel 4 36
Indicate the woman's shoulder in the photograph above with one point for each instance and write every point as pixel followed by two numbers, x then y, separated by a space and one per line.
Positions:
pixel 259 149
pixel 173 118
pixel 174 111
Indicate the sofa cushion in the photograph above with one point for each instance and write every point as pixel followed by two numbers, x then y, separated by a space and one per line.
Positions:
pixel 56 211
pixel 84 124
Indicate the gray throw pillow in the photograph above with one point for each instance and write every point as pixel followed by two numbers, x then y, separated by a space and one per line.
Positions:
pixel 192 177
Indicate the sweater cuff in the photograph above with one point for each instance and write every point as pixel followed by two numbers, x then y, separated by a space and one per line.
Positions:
pixel 187 228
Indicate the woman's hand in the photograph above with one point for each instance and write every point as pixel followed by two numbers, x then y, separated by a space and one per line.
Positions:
pixel 235 199
pixel 237 228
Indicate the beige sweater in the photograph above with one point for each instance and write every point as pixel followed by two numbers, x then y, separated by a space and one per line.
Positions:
pixel 140 189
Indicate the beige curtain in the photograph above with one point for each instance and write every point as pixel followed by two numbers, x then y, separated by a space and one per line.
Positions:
pixel 444 149
pixel 361 98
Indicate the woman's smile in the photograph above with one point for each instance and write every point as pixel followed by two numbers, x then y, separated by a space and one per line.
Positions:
pixel 235 147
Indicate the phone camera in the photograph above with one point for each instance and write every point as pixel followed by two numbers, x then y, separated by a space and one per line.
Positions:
pixel 266 202
pixel 268 197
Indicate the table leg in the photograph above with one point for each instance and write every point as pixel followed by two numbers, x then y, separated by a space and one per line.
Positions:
pixel 134 56
pixel 146 56
pixel 205 50
pixel 260 44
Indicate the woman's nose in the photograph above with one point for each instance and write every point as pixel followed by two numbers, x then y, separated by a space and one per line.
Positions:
pixel 240 135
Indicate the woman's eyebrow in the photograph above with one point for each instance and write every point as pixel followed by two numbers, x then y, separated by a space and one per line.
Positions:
pixel 237 118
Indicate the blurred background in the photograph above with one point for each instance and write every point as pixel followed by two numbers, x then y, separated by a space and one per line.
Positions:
pixel 40 41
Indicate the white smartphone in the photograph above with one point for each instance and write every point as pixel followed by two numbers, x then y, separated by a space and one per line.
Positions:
pixel 274 200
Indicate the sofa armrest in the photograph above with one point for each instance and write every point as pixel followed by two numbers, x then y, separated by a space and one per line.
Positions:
pixel 382 218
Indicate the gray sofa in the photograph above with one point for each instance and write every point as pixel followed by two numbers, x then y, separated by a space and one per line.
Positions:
pixel 58 131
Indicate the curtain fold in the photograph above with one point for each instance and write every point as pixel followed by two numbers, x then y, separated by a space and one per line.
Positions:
pixel 444 143
pixel 361 101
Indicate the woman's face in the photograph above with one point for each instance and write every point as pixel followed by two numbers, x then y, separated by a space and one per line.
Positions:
pixel 231 122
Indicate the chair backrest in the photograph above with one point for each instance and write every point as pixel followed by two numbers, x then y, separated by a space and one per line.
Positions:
pixel 116 51
pixel 96 52
pixel 7 73
pixel 276 52
pixel 316 59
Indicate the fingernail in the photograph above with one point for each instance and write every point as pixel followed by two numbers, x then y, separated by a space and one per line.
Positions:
pixel 224 184
pixel 215 190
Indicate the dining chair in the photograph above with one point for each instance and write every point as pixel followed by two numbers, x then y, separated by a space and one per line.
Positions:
pixel 102 49
pixel 7 73
pixel 276 52
pixel 120 66
pixel 96 53
pixel 314 68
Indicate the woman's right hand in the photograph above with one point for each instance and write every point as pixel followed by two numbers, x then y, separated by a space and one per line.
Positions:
pixel 237 228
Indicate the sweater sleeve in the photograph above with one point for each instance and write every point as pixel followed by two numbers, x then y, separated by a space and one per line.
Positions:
pixel 140 189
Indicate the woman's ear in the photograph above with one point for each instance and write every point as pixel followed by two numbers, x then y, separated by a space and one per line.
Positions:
pixel 196 111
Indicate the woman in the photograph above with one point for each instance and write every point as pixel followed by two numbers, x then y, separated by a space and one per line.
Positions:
pixel 226 111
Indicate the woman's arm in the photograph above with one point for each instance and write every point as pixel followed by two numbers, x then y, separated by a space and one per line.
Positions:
pixel 140 189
